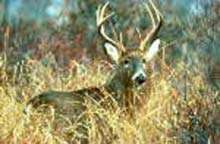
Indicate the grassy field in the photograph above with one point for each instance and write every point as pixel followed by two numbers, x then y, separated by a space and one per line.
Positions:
pixel 180 108
pixel 181 103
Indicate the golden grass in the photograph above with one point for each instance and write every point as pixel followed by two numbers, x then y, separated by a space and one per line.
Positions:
pixel 172 113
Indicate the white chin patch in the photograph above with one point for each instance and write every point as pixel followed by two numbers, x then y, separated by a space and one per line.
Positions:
pixel 134 77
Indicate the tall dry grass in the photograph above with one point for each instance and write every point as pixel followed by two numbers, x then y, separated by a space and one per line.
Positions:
pixel 181 107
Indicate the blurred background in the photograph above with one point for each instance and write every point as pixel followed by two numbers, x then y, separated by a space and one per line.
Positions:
pixel 54 44
pixel 66 29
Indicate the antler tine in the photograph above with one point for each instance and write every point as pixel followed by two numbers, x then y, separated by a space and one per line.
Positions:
pixel 156 27
pixel 158 14
pixel 150 14
pixel 100 20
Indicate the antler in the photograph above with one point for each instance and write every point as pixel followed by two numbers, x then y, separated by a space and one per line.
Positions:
pixel 100 20
pixel 156 27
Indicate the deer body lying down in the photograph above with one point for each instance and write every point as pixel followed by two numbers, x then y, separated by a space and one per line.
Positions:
pixel 129 72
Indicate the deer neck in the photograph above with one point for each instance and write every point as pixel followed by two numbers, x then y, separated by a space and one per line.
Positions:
pixel 118 85
pixel 121 90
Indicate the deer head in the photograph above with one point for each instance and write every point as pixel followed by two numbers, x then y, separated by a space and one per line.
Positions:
pixel 130 64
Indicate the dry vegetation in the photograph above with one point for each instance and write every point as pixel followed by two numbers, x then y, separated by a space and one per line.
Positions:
pixel 182 107
pixel 170 114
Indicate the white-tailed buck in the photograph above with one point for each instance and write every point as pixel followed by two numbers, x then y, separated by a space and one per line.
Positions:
pixel 129 71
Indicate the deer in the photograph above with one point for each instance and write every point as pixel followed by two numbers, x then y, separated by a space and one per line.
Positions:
pixel 129 70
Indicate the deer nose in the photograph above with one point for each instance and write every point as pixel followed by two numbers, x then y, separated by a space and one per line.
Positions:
pixel 140 79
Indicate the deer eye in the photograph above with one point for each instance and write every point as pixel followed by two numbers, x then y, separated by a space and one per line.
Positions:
pixel 144 60
pixel 126 61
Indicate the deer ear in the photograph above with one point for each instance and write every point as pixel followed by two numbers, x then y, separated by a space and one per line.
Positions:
pixel 112 52
pixel 153 50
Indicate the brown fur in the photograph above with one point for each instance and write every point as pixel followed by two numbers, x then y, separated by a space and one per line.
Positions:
pixel 129 73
